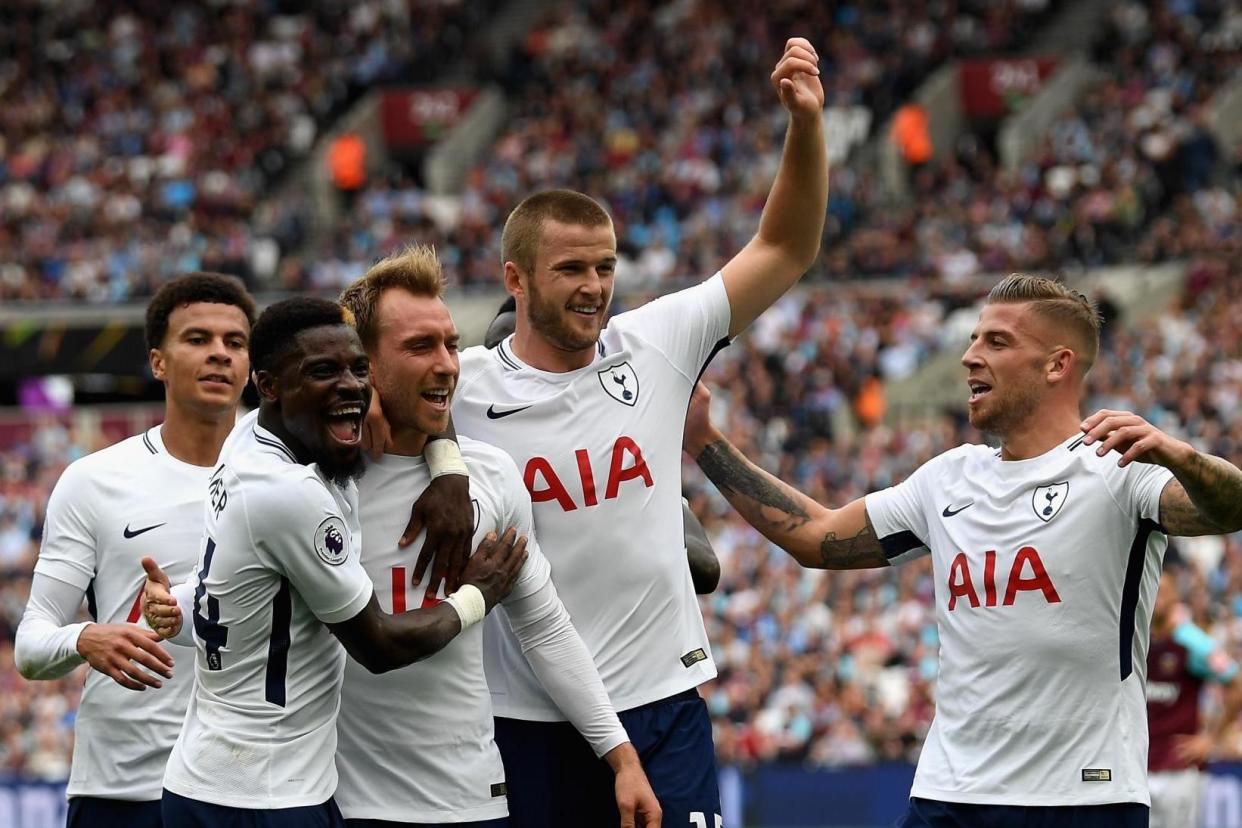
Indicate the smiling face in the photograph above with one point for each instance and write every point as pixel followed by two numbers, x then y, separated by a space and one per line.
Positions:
pixel 1008 364
pixel 415 365
pixel 567 296
pixel 322 389
pixel 203 360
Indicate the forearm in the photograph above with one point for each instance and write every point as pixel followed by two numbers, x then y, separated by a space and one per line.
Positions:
pixel 564 667
pixel 1214 487
pixel 45 646
pixel 779 512
pixel 381 642
pixel 793 217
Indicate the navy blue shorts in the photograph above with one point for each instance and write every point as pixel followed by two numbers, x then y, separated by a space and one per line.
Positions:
pixel 384 823
pixel 190 813
pixel 94 812
pixel 554 779
pixel 930 813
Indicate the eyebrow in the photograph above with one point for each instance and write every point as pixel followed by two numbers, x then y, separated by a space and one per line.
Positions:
pixel 607 260
pixel 206 332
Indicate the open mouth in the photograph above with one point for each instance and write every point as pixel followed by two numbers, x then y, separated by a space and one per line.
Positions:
pixel 438 398
pixel 345 423
pixel 216 379
pixel 978 390
pixel 585 310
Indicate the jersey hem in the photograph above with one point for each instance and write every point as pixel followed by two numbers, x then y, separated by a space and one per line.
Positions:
pixel 1026 799
pixel 551 713
pixel 257 803
pixel 401 812
pixel 144 795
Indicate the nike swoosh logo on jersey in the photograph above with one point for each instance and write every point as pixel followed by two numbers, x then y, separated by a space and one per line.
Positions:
pixel 493 414
pixel 135 533
pixel 949 511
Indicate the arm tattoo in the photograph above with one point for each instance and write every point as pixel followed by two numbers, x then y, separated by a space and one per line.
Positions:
pixel 778 511
pixel 863 551
pixel 737 478
pixel 1206 498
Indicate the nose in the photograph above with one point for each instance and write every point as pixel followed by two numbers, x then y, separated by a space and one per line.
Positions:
pixel 350 384
pixel 971 358
pixel 219 352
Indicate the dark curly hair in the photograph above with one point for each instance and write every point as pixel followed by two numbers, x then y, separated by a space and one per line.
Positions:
pixel 275 333
pixel 188 289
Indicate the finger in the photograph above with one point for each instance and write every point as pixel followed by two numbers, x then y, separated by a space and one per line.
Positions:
pixel 162 609
pixel 154 573
pixel 131 670
pixel 437 577
pixel 1104 427
pixel 1095 419
pixel 149 643
pixel 1140 448
pixel 654 816
pixel 420 566
pixel 144 658
pixel 800 42
pixel 800 52
pixel 123 680
pixel 790 66
pixel 459 556
pixel 1120 439
pixel 412 529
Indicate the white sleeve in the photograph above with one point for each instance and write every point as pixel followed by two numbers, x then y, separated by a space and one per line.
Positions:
pixel 688 326
pixel 559 658
pixel 184 593
pixel 1143 484
pixel 301 533
pixel 46 644
pixel 67 552
pixel 899 517
pixel 549 641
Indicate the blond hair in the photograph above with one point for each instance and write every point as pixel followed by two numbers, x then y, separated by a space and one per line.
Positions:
pixel 519 241
pixel 1058 304
pixel 414 269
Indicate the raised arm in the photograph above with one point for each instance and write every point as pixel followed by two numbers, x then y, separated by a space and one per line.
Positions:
pixel 816 536
pixel 793 219
pixel 1205 498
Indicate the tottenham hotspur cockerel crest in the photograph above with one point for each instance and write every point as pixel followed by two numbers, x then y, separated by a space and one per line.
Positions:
pixel 620 382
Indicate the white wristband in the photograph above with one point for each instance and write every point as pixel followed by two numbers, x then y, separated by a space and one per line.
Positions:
pixel 469 603
pixel 444 457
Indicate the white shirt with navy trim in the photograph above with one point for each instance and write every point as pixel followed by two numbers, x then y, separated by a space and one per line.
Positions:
pixel 279 561
pixel 599 450
pixel 1045 573
pixel 107 511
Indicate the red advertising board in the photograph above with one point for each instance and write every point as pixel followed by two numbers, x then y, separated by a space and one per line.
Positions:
pixel 417 117
pixel 994 88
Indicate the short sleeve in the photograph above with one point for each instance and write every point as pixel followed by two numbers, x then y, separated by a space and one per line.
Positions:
pixel 688 326
pixel 304 536
pixel 899 517
pixel 1143 485
pixel 67 552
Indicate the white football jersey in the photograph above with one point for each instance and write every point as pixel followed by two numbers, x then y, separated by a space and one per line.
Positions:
pixel 599 449
pixel 417 743
pixel 279 560
pixel 1045 571
pixel 107 511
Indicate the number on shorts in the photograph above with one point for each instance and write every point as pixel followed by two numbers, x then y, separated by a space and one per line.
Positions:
pixel 699 820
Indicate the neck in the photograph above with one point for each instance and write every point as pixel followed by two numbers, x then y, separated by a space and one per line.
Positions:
pixel 195 438
pixel 270 420
pixel 1041 433
pixel 406 442
pixel 537 352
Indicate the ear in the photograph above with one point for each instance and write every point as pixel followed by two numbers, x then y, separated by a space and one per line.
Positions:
pixel 513 282
pixel 1061 365
pixel 267 384
pixel 155 358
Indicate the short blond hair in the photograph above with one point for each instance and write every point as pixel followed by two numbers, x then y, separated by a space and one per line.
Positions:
pixel 1057 303
pixel 519 241
pixel 415 269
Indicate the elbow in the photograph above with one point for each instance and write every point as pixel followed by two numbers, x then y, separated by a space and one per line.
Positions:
pixel 26 666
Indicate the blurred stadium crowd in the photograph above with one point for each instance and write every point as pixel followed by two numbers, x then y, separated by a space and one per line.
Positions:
pixel 140 139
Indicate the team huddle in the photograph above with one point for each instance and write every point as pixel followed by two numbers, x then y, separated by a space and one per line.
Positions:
pixel 489 618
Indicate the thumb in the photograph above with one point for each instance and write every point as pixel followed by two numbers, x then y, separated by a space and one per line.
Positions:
pixel 788 92
pixel 154 573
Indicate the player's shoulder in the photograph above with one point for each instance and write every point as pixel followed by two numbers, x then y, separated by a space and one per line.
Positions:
pixel 475 361
pixel 486 461
pixel 124 459
pixel 961 459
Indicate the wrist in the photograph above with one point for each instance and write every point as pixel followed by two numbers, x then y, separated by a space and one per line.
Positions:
pixel 1182 455
pixel 622 758
pixel 444 457
pixel 469 603
pixel 78 636
pixel 702 440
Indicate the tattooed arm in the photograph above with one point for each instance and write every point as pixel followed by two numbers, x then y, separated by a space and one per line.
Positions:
pixel 1205 498
pixel 817 537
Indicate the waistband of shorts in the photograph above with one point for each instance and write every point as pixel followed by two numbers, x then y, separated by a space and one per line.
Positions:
pixel 691 694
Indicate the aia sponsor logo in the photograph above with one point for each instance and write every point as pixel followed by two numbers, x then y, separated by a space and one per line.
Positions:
pixel 625 464
pixel 1026 573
